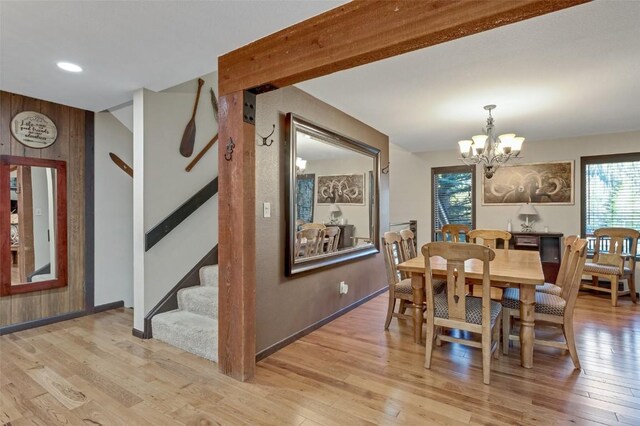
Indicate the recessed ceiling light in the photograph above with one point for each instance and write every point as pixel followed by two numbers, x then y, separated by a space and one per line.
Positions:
pixel 68 66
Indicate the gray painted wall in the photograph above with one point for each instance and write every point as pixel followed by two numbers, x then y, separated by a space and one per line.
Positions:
pixel 286 305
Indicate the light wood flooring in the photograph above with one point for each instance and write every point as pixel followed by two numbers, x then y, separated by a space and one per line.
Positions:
pixel 91 371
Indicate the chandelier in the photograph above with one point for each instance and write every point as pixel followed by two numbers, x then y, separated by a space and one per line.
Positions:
pixel 489 150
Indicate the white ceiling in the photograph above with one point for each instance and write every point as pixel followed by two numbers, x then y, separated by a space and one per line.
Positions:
pixel 570 73
pixel 126 45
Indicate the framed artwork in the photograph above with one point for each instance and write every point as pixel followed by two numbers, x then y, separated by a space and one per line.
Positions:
pixel 537 183
pixel 341 189
pixel 305 187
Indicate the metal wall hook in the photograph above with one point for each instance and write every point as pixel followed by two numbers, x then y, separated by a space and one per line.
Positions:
pixel 229 154
pixel 385 170
pixel 264 138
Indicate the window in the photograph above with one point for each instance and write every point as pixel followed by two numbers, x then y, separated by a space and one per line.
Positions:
pixel 610 193
pixel 453 198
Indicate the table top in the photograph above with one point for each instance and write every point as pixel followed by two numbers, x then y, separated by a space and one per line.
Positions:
pixel 512 266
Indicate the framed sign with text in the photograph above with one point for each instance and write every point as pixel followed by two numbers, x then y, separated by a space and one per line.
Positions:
pixel 33 129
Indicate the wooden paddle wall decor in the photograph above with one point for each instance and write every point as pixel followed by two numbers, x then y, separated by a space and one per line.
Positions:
pixel 121 164
pixel 208 146
pixel 189 135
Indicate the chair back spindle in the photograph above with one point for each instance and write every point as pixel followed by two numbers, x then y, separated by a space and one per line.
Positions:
pixel 454 232
pixel 489 237
pixel 408 244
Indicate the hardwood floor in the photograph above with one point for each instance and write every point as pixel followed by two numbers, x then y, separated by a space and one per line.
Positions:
pixel 91 371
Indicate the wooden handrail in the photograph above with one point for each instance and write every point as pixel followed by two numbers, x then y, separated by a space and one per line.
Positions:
pixel 169 223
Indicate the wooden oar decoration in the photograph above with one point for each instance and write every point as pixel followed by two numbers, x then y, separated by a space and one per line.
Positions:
pixel 214 102
pixel 189 135
pixel 121 164
pixel 208 146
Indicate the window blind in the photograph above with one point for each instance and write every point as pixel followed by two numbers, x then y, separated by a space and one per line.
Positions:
pixel 612 195
pixel 452 198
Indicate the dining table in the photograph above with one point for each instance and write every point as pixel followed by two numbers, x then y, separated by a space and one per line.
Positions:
pixel 509 268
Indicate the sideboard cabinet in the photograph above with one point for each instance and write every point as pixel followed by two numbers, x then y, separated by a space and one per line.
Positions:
pixel 549 244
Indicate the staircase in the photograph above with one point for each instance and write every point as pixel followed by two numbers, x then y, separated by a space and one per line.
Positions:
pixel 193 327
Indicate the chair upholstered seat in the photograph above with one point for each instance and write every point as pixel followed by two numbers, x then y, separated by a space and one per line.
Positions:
pixel 549 289
pixel 404 286
pixel 473 305
pixel 601 268
pixel 545 303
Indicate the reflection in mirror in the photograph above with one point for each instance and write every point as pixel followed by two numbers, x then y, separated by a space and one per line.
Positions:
pixel 33 223
pixel 333 208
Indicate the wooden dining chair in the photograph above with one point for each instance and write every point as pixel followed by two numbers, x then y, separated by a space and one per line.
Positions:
pixel 556 289
pixel 332 238
pixel 612 264
pixel 309 242
pixel 312 226
pixel 454 309
pixel 408 244
pixel 454 232
pixel 549 308
pixel 399 285
pixel 489 237
pixel 399 288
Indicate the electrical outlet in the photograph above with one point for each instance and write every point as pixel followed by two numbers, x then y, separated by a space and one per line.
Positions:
pixel 344 287
pixel 266 209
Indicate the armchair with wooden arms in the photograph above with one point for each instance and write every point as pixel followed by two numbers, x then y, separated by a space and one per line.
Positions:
pixel 612 264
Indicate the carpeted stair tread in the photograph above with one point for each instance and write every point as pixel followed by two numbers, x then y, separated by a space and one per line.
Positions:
pixel 202 300
pixel 209 276
pixel 191 332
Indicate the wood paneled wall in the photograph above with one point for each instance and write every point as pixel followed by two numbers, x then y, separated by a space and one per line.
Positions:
pixel 70 147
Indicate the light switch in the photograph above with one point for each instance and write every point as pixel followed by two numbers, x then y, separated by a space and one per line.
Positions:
pixel 266 209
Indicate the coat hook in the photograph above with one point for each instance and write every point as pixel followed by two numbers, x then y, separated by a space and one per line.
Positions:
pixel 385 170
pixel 264 138
pixel 229 153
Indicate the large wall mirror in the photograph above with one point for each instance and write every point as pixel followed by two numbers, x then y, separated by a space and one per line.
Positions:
pixel 33 224
pixel 332 197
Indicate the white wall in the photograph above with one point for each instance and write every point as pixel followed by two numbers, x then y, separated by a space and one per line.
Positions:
pixel 410 180
pixel 164 185
pixel 113 213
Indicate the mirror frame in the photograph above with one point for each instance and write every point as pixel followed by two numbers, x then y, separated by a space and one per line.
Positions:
pixel 6 288
pixel 293 123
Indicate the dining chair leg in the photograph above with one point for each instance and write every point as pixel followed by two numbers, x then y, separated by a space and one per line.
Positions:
pixel 614 291
pixel 632 288
pixel 506 330
pixel 403 306
pixel 567 329
pixel 392 306
pixel 496 337
pixel 429 345
pixel 595 281
pixel 486 357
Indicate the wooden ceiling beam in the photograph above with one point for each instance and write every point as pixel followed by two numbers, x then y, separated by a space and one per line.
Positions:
pixel 361 32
